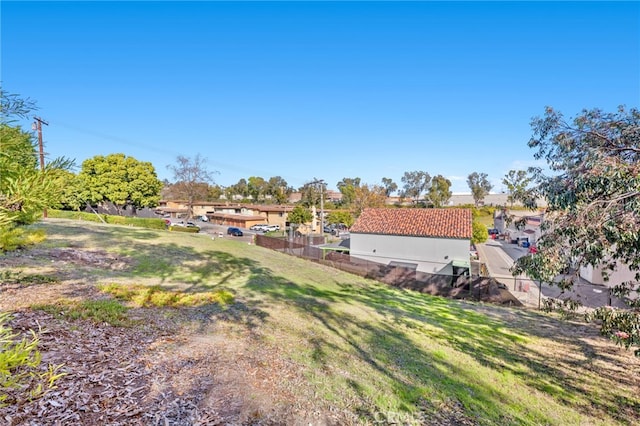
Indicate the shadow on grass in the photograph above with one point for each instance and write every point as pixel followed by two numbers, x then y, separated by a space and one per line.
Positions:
pixel 412 371
pixel 396 345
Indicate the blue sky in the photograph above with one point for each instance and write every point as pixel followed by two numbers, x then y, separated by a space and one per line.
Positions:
pixel 321 90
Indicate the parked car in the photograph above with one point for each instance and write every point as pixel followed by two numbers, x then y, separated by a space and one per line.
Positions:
pixel 204 218
pixel 258 227
pixel 271 228
pixel 236 232
pixel 191 225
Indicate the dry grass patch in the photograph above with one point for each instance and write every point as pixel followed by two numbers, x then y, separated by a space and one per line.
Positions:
pixel 156 295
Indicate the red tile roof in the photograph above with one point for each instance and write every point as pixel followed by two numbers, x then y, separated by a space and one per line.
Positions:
pixel 441 223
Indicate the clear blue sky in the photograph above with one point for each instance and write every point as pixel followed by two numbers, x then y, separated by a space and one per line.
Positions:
pixel 316 89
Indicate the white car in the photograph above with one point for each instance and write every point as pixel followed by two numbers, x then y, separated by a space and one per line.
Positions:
pixel 259 227
pixel 271 228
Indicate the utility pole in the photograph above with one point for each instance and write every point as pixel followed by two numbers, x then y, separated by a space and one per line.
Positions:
pixel 321 183
pixel 37 125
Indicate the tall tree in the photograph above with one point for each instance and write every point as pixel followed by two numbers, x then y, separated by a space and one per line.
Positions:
pixel 479 185
pixel 300 215
pixel 71 197
pixel 192 178
pixel 389 186
pixel 367 196
pixel 439 192
pixel 593 199
pixel 517 182
pixel 240 188
pixel 257 187
pixel 215 192
pixel 279 189
pixel 415 184
pixel 121 180
pixel 25 189
pixel 312 192
pixel 347 187
pixel 229 192
pixel 341 217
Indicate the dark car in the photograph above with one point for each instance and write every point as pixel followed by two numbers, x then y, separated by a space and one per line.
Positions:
pixel 236 232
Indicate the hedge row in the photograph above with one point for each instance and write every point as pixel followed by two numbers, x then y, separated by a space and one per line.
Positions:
pixel 192 229
pixel 116 220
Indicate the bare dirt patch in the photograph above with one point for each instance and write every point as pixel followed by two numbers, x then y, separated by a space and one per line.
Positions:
pixel 175 367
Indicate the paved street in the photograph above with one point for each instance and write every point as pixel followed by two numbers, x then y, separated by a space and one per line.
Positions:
pixel 499 256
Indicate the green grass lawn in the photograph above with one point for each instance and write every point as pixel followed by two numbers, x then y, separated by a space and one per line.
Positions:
pixel 371 348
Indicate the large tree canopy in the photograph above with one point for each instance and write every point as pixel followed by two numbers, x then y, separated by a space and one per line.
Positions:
pixel 517 183
pixel 25 189
pixel 479 185
pixel 279 189
pixel 593 197
pixel 366 196
pixel 122 180
pixel 439 192
pixel 389 186
pixel 312 193
pixel 347 187
pixel 300 215
pixel 414 184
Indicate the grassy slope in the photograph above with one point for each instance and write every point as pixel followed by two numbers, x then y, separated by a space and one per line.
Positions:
pixel 370 348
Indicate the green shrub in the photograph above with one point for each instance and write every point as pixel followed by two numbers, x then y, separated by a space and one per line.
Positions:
pixel 480 233
pixel 190 229
pixel 75 215
pixel 19 364
pixel 12 238
pixel 151 223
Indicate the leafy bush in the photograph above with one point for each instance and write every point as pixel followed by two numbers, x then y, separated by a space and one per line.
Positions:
pixel 566 308
pixel 621 325
pixel 189 229
pixel 12 238
pixel 479 232
pixel 19 364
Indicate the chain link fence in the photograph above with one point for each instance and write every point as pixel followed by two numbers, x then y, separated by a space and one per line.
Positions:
pixel 533 293
pixel 465 285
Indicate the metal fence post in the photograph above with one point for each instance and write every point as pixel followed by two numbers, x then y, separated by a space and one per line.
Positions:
pixel 539 294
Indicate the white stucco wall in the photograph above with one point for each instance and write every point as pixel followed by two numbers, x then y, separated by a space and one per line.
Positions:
pixel 594 275
pixel 432 255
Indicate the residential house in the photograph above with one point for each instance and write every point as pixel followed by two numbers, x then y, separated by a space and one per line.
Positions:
pixel 232 214
pixel 530 224
pixel 532 232
pixel 435 241
pixel 595 275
